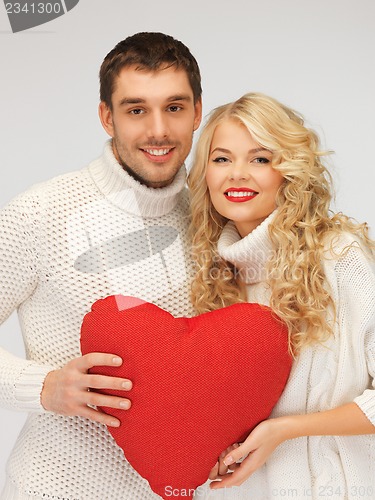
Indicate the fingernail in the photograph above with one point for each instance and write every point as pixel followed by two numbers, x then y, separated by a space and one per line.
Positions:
pixel 115 423
pixel 125 405
pixel 127 385
pixel 228 460
pixel 116 361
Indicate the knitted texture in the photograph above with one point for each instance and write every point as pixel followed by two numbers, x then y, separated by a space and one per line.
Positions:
pixel 63 245
pixel 322 377
pixel 185 399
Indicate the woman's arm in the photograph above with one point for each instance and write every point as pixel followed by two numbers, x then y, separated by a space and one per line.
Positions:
pixel 355 283
pixel 346 420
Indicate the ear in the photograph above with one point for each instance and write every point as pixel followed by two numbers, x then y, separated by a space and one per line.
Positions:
pixel 198 113
pixel 106 118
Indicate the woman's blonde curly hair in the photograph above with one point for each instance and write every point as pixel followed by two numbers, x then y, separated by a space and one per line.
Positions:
pixel 303 221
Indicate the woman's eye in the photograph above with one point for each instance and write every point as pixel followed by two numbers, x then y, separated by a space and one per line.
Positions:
pixel 220 159
pixel 261 160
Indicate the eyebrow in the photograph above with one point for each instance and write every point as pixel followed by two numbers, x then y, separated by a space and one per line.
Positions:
pixel 138 100
pixel 251 151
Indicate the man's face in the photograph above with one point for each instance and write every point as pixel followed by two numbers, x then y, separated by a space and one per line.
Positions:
pixel 152 123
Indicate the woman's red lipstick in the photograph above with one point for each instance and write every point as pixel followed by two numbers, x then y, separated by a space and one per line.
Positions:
pixel 240 195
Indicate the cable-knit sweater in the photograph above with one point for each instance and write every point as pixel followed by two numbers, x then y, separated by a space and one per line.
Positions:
pixel 323 377
pixel 64 244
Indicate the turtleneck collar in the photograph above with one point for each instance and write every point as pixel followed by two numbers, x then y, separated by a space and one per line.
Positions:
pixel 130 195
pixel 249 254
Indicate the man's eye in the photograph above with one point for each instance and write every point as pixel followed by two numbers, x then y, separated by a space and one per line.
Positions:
pixel 174 108
pixel 136 111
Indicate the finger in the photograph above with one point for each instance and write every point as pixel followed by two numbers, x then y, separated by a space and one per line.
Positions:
pixel 99 416
pixel 223 468
pixel 236 454
pixel 97 399
pixel 105 382
pixel 84 363
pixel 233 467
pixel 236 478
pixel 214 471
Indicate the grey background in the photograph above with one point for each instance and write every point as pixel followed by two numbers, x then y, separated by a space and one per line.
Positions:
pixel 317 57
pixel 28 14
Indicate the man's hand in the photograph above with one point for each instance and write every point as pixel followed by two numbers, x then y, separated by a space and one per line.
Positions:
pixel 67 391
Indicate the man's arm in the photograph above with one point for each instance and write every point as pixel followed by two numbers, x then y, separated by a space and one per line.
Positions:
pixel 28 384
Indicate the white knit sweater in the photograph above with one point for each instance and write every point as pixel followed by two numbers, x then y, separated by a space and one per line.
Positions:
pixel 63 245
pixel 323 467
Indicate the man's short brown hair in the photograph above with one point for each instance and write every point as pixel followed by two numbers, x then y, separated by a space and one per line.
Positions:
pixel 148 51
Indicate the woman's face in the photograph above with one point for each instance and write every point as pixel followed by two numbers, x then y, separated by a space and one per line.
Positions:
pixel 241 181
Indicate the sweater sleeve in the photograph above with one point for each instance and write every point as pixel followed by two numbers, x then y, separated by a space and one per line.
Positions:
pixel 21 380
pixel 356 288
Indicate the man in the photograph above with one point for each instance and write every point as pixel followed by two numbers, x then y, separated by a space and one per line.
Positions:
pixel 116 227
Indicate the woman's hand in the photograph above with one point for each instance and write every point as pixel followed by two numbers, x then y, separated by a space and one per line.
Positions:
pixel 254 451
pixel 345 420
pixel 220 468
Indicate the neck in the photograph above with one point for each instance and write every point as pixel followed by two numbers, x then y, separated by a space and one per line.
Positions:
pixel 129 193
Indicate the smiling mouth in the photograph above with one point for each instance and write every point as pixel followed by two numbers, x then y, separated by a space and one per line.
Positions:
pixel 239 196
pixel 157 151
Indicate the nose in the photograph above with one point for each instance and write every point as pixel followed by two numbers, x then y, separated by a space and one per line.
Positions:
pixel 239 172
pixel 158 127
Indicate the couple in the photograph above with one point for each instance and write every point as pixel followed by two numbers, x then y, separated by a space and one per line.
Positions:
pixel 261 232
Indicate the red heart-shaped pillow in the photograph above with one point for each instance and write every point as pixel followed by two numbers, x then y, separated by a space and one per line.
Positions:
pixel 199 384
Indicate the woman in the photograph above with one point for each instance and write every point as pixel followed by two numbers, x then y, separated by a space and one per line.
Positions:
pixel 263 232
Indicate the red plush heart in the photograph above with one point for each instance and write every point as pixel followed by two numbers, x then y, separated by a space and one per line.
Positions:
pixel 199 384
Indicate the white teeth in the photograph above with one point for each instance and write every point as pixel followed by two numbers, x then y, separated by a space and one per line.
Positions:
pixel 240 194
pixel 157 152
